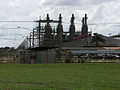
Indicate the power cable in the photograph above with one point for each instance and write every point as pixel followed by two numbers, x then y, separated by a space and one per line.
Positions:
pixel 17 21
pixel 69 23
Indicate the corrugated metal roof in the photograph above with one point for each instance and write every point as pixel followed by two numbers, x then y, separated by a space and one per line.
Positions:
pixel 91 48
pixel 112 48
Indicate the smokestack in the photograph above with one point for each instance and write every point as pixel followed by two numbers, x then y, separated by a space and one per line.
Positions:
pixel 83 21
pixel 86 19
pixel 72 19
pixel 47 18
pixel 60 19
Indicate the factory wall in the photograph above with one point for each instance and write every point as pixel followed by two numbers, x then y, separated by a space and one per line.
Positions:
pixel 31 56
pixel 23 56
pixel 46 56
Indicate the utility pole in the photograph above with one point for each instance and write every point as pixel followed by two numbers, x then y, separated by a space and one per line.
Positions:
pixel 33 37
pixel 39 29
pixel 30 39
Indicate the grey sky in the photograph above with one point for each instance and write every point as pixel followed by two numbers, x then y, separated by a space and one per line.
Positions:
pixel 99 11
pixel 74 2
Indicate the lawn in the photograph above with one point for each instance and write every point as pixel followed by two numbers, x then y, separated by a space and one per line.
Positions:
pixel 73 76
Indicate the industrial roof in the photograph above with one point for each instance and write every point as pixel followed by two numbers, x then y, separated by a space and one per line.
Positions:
pixel 91 48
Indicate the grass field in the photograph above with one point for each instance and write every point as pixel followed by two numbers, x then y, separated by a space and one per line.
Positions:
pixel 83 76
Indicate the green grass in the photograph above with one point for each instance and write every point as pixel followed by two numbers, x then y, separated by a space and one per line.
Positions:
pixel 83 76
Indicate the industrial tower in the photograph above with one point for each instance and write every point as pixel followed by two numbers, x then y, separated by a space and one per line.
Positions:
pixel 84 30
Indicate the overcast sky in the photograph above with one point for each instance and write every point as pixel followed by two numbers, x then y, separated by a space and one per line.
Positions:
pixel 99 11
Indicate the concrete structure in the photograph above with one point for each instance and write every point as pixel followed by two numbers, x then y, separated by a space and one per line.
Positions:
pixel 36 55
pixel 23 56
pixel 46 56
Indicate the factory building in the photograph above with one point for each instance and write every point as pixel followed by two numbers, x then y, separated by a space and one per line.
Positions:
pixel 47 43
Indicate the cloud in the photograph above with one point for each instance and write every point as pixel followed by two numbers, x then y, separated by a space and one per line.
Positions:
pixel 15 3
pixel 99 11
pixel 74 3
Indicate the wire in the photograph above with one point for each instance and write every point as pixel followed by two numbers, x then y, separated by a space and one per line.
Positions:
pixel 7 39
pixel 10 28
pixel 17 21
pixel 96 23
pixel 104 24
pixel 68 23
pixel 18 28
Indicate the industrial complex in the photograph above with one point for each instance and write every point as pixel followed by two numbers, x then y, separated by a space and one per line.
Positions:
pixel 50 43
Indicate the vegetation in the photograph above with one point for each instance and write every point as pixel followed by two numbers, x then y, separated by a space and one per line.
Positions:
pixel 82 76
pixel 97 38
pixel 7 55
pixel 68 57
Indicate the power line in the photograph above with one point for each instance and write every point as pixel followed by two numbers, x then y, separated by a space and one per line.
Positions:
pixel 69 22
pixel 65 23
pixel 17 21
pixel 104 24
pixel 10 28
pixel 17 28
pixel 96 23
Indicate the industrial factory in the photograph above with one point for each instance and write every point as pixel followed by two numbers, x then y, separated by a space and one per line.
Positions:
pixel 50 43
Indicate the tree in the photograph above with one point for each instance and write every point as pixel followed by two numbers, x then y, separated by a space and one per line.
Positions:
pixel 97 38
